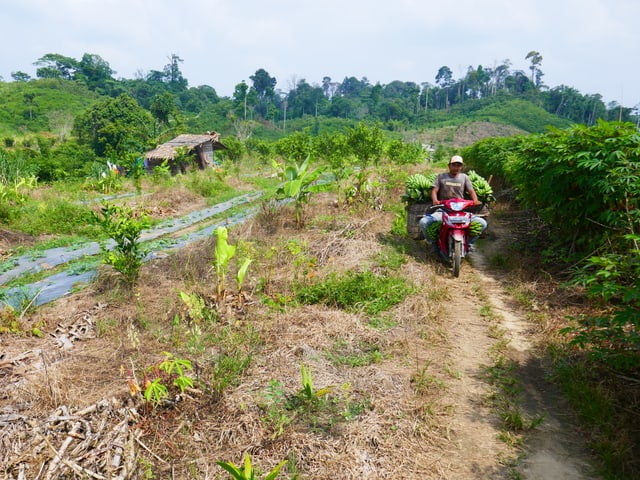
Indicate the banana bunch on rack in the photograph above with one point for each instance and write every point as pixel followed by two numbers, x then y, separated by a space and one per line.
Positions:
pixel 482 187
pixel 418 188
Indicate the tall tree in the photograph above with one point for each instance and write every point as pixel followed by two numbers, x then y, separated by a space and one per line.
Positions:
pixel 173 75
pixel 536 60
pixel 20 76
pixel 115 126
pixel 95 71
pixel 30 102
pixel 444 78
pixel 264 86
pixel 54 65
pixel 499 76
pixel 351 87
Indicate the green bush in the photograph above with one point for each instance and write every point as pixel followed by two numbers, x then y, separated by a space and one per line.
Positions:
pixel 585 181
pixel 613 336
pixel 124 227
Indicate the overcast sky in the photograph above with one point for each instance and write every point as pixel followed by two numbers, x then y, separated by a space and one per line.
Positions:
pixel 590 45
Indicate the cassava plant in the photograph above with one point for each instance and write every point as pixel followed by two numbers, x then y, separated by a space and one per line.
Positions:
pixel 157 379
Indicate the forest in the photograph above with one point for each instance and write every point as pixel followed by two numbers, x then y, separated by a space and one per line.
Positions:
pixel 167 95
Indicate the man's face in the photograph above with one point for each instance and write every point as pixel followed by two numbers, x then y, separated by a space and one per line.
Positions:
pixel 454 168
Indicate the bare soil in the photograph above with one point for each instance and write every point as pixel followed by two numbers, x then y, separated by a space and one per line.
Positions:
pixel 69 406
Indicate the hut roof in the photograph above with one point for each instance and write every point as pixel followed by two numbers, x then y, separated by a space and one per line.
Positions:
pixel 168 150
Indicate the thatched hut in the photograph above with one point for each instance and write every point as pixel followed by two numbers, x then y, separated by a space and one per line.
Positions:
pixel 185 151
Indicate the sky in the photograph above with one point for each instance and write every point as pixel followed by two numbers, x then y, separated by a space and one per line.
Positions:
pixel 592 46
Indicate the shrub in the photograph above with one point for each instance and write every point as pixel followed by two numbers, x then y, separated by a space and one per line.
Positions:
pixel 120 224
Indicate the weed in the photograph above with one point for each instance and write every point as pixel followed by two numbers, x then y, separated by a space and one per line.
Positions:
pixel 227 368
pixel 357 292
pixel 56 216
pixel 146 469
pixel 161 173
pixel 234 353
pixel 506 397
pixel 423 382
pixel 106 325
pixel 499 261
pixel 382 322
pixel 197 310
pixel 366 354
pixel 486 312
pixel 390 259
pixel 247 472
pixel 457 374
pixel 399 225
pixel 275 407
pixel 353 409
pixel 303 263
pixel 9 321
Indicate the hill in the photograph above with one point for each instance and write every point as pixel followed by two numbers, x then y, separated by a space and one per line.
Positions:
pixel 51 105
pixel 41 105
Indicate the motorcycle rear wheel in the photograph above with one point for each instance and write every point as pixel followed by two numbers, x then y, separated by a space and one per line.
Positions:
pixel 457 257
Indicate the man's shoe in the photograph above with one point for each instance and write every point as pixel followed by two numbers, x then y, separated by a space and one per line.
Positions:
pixel 472 248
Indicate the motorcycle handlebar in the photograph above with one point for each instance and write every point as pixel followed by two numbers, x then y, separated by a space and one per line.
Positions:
pixel 444 204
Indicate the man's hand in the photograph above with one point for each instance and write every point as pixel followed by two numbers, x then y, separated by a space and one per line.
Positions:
pixel 477 202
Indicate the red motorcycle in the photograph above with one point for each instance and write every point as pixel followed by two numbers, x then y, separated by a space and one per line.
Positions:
pixel 453 242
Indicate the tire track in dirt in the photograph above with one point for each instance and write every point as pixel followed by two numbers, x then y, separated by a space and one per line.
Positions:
pixel 554 449
pixel 475 429
pixel 551 451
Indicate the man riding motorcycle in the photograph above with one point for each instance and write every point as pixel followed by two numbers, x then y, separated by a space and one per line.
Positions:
pixel 451 184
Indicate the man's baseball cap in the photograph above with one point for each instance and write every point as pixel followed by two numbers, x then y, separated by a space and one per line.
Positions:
pixel 456 159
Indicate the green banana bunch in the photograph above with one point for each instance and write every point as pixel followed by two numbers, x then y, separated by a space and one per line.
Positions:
pixel 474 229
pixel 418 187
pixel 481 186
pixel 433 231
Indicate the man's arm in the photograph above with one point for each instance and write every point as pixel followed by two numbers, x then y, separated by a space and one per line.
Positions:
pixel 472 192
pixel 474 197
pixel 434 195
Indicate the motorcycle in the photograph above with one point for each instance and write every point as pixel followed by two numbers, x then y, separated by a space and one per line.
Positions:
pixel 453 240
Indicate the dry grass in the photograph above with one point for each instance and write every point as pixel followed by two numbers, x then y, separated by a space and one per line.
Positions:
pixel 394 430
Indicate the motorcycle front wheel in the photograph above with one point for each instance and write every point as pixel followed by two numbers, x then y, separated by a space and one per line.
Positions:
pixel 457 257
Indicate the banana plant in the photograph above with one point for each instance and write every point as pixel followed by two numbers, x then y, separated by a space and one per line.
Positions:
pixel 223 254
pixel 240 276
pixel 299 184
pixel 308 392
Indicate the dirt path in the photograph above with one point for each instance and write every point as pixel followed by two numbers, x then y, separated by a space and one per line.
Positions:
pixel 553 450
pixel 475 427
